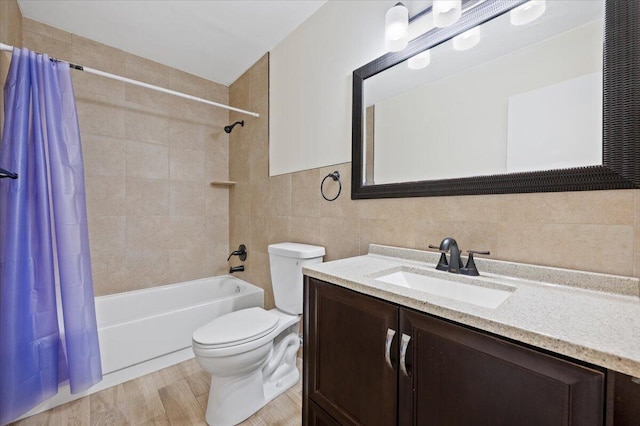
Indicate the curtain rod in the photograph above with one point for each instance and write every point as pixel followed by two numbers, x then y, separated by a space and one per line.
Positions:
pixel 8 48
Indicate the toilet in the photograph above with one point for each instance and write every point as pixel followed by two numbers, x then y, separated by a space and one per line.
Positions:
pixel 251 353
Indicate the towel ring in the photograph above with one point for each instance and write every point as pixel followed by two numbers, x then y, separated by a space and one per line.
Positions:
pixel 336 177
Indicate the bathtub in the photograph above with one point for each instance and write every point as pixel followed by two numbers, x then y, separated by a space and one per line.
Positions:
pixel 140 325
pixel 143 331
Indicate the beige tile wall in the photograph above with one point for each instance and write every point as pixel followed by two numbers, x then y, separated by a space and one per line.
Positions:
pixel 10 22
pixel 594 231
pixel 149 158
pixel 11 34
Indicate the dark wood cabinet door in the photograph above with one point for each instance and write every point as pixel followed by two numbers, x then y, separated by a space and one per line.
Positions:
pixel 317 417
pixel 346 372
pixel 624 400
pixel 463 377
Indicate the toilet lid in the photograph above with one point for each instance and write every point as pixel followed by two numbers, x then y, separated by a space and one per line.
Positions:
pixel 236 327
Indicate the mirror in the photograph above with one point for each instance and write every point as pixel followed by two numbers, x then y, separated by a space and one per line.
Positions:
pixel 530 108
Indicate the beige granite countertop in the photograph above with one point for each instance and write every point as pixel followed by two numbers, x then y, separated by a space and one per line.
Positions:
pixel 587 316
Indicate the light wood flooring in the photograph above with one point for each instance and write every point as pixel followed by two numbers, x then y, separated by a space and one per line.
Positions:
pixel 174 396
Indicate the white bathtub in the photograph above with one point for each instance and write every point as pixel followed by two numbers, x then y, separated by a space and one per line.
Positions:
pixel 147 330
pixel 137 326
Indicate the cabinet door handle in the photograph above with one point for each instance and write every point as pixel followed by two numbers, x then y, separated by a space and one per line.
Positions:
pixel 387 347
pixel 404 344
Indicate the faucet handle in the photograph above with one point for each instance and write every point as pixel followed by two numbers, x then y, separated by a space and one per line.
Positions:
pixel 485 253
pixel 470 268
pixel 443 265
pixel 241 252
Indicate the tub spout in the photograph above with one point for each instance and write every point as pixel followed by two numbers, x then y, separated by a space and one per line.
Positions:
pixel 236 269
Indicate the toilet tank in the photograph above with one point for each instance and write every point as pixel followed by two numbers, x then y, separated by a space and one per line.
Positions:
pixel 286 261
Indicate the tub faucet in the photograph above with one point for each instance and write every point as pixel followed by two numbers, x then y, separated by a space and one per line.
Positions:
pixel 241 253
pixel 455 262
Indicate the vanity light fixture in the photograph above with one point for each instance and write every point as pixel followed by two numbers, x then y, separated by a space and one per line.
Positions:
pixel 396 33
pixel 446 12
pixel 420 60
pixel 528 12
pixel 467 39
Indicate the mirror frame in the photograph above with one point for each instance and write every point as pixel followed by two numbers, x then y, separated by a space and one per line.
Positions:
pixel 620 167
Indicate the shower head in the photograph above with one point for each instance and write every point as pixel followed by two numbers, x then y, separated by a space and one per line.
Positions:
pixel 230 127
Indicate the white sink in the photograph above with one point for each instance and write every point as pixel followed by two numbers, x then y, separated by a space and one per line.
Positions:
pixel 481 295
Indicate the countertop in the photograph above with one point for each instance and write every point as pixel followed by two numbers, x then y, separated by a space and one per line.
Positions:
pixel 587 316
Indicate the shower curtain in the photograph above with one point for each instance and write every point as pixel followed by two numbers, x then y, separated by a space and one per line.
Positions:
pixel 48 332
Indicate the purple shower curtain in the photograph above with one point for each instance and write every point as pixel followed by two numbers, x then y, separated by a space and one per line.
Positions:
pixel 44 241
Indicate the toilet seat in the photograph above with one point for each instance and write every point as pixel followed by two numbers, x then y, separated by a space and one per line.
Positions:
pixel 236 328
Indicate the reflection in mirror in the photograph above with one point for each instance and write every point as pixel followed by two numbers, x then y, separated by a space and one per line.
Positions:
pixel 504 98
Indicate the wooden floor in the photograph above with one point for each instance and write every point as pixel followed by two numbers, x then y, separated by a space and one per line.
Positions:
pixel 174 396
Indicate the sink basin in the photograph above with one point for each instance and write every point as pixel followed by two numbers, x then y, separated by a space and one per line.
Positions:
pixel 477 294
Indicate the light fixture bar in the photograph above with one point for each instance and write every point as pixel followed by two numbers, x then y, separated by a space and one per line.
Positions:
pixel 396 33
pixel 466 5
pixel 446 12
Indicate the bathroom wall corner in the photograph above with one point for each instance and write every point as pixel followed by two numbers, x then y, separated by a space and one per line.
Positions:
pixel 250 221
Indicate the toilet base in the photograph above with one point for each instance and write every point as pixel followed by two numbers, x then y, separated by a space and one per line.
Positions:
pixel 278 387
pixel 234 399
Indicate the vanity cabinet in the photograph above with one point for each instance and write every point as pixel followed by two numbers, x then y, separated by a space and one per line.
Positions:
pixel 372 362
pixel 623 403
pixel 318 417
pixel 457 376
pixel 349 376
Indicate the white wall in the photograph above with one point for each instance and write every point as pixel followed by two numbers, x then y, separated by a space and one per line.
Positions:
pixel 310 84
pixel 557 126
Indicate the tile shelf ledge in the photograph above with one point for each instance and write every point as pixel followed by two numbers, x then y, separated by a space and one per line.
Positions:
pixel 227 183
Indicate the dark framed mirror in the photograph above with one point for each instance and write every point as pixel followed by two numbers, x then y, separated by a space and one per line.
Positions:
pixel 619 116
